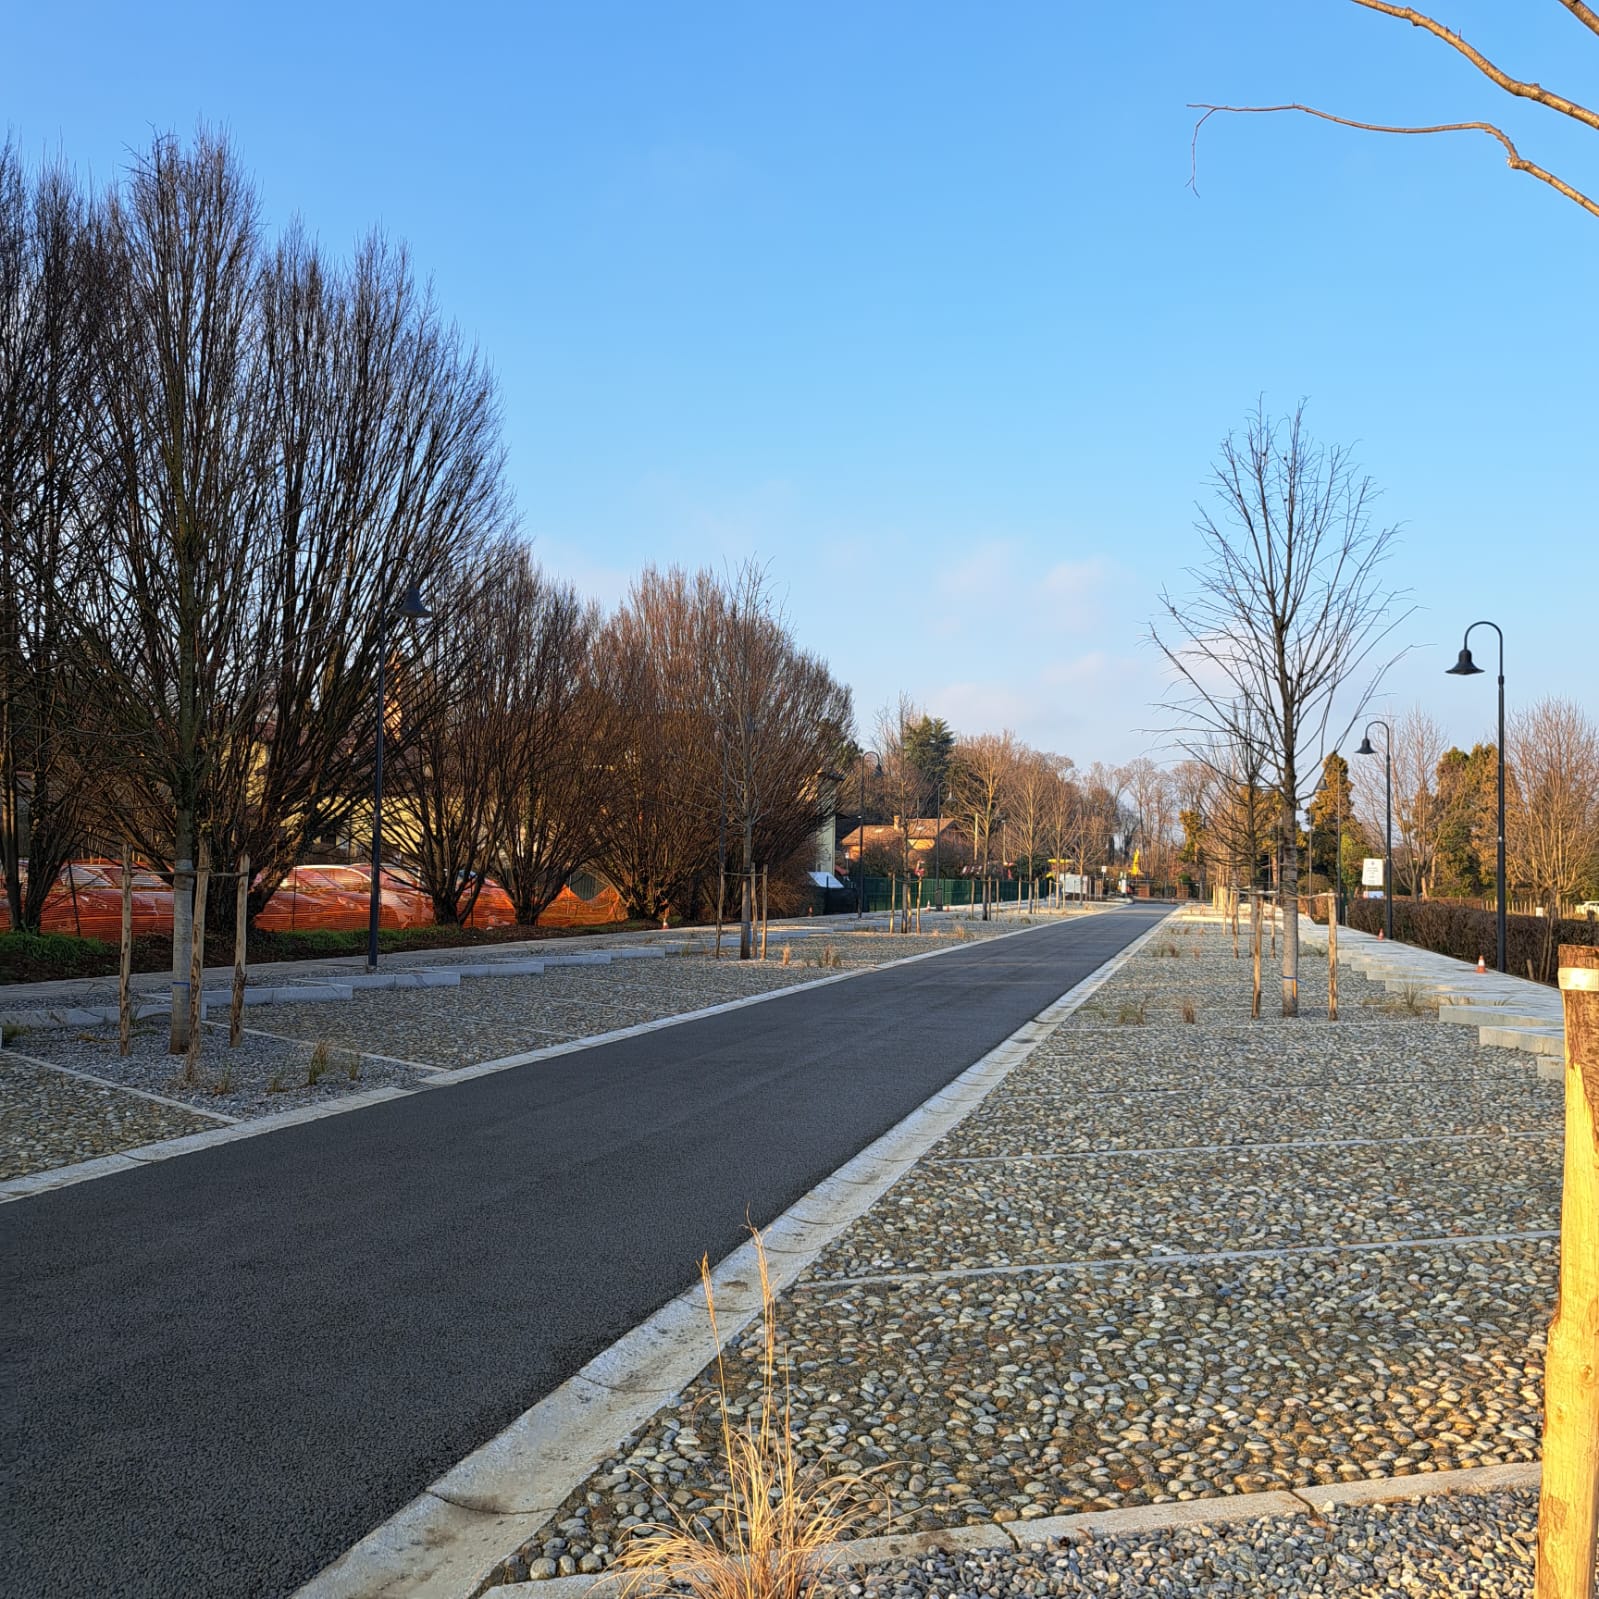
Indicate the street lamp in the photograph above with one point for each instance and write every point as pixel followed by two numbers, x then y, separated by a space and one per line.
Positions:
pixel 1466 667
pixel 1388 825
pixel 412 609
pixel 860 848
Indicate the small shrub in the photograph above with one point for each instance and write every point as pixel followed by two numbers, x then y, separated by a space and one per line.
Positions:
pixel 352 1064
pixel 1133 1012
pixel 222 1084
pixel 275 1083
pixel 1190 1011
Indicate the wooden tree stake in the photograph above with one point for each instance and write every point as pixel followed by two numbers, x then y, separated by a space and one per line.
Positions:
pixel 1254 944
pixel 241 912
pixel 1568 1504
pixel 202 884
pixel 125 976
pixel 1332 957
pixel 764 886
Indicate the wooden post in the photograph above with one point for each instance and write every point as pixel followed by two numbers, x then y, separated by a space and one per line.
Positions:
pixel 721 900
pixel 241 912
pixel 764 886
pixel 1232 896
pixel 125 976
pixel 918 905
pixel 1271 910
pixel 1568 1502
pixel 1254 943
pixel 893 891
pixel 1332 957
pixel 202 883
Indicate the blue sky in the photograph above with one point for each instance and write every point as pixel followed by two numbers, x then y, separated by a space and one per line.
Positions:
pixel 913 302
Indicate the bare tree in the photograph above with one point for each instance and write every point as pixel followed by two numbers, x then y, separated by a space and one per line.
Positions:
pixel 1552 801
pixel 558 728
pixel 1286 616
pixel 657 824
pixel 46 335
pixel 1520 88
pixel 175 633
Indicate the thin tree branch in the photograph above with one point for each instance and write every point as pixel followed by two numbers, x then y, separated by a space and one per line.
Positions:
pixel 1513 157
pixel 1516 86
pixel 1586 15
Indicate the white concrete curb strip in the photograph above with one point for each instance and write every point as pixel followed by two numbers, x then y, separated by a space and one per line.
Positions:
pixel 446 1541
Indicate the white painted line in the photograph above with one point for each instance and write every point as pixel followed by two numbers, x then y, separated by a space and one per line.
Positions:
pixel 445 1542
pixel 122 1088
pixel 1207 1257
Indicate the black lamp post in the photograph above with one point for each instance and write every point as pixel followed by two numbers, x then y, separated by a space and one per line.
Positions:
pixel 860 849
pixel 412 609
pixel 938 833
pixel 1388 822
pixel 1466 667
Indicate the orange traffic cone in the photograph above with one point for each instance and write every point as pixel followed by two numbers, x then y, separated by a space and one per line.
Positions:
pixel 1379 935
pixel 1482 965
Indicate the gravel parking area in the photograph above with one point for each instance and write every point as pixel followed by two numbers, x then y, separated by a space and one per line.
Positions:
pixel 48 1119
pixel 1168 1260
pixel 261 1077
pixel 1452 1546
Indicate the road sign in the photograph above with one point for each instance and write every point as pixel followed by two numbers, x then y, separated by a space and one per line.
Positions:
pixel 1371 872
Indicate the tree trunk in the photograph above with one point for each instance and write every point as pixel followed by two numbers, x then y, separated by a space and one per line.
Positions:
pixel 1289 898
pixel 182 931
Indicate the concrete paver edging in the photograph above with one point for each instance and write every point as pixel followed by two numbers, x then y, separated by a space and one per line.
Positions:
pixel 444 1544
pixel 124 1160
pixel 1135 1520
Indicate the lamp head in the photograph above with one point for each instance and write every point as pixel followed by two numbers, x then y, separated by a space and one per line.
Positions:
pixel 1365 748
pixel 413 608
pixel 1465 666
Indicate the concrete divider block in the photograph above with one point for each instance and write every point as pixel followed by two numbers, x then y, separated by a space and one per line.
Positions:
pixel 1535 1040
pixel 592 957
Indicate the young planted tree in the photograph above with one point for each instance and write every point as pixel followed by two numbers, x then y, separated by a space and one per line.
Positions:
pixel 1285 618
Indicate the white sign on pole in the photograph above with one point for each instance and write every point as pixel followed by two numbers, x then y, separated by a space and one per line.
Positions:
pixel 1371 872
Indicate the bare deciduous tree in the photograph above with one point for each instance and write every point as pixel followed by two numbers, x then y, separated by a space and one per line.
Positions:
pixel 46 336
pixel 1286 615
pixel 1552 801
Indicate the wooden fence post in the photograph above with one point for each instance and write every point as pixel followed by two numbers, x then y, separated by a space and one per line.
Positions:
pixel 1332 957
pixel 202 884
pixel 125 976
pixel 1568 1503
pixel 763 912
pixel 241 912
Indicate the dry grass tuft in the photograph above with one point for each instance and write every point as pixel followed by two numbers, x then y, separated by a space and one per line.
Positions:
pixel 1190 1011
pixel 765 1537
pixel 788 954
pixel 1134 1012
pixel 316 1068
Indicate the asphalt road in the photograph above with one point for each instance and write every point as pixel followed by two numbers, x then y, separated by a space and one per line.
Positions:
pixel 222 1370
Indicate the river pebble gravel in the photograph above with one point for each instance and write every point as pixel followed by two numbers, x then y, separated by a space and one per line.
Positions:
pixel 261 1077
pixel 48 1119
pixel 1104 1288
pixel 1448 1546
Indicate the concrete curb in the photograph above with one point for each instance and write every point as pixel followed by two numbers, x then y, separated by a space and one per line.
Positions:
pixel 446 1541
pixel 1019 1536
pixel 442 1077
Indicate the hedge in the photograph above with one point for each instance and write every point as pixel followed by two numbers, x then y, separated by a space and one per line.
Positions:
pixel 1532 943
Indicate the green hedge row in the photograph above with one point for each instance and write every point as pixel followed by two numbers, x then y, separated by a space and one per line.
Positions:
pixel 1532 943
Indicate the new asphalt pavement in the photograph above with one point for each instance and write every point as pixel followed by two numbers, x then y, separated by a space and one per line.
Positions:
pixel 222 1370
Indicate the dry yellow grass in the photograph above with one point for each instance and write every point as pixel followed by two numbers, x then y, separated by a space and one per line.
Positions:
pixel 765 1537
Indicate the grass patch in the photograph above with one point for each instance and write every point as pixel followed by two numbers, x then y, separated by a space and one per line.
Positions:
pixel 1190 1011
pixel 1133 1013
pixel 39 957
pixel 321 1059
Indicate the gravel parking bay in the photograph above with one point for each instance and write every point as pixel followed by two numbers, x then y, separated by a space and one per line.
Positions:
pixel 1169 1260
